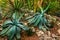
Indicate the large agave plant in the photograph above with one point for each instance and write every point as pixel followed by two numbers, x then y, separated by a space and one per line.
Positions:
pixel 38 19
pixel 12 28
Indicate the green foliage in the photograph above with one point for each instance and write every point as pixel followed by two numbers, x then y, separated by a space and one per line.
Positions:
pixel 57 14
pixel 10 7
pixel 54 5
pixel 3 3
pixel 38 19
pixel 17 4
pixel 12 28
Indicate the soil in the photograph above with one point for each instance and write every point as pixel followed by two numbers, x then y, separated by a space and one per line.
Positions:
pixel 34 37
pixel 56 26
pixel 55 29
pixel 26 37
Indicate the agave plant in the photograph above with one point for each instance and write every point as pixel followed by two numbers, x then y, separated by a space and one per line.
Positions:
pixel 38 19
pixel 10 7
pixel 12 28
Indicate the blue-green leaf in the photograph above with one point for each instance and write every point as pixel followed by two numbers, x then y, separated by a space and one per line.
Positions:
pixel 14 16
pixel 30 21
pixel 4 31
pixel 23 27
pixel 20 16
pixel 37 21
pixel 18 36
pixel 12 32
pixel 7 22
pixel 46 8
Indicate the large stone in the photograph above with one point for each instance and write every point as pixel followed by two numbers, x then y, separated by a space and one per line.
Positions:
pixel 39 33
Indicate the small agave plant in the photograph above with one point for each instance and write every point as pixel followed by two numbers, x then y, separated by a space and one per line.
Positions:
pixel 12 28
pixel 38 19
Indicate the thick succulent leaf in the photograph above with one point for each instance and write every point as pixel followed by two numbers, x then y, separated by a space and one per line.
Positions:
pixel 20 16
pixel 30 16
pixel 7 22
pixel 30 21
pixel 14 16
pixel 18 36
pixel 40 25
pixel 42 20
pixel 20 23
pixel 11 32
pixel 33 21
pixel 7 33
pixel 42 28
pixel 18 33
pixel 4 31
pixel 38 20
pixel 45 20
pixel 46 26
pixel 46 8
pixel 41 9
pixel 23 27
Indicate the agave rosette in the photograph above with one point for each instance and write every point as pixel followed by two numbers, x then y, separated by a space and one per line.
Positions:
pixel 38 19
pixel 13 27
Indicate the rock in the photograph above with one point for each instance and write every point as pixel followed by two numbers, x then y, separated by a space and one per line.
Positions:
pixel 58 31
pixel 58 38
pixel 41 38
pixel 53 39
pixel 26 14
pixel 39 33
pixel 25 23
pixel 58 24
pixel 0 28
pixel 49 34
pixel 33 29
pixel 54 36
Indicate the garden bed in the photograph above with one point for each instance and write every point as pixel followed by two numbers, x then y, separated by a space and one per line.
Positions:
pixel 53 34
